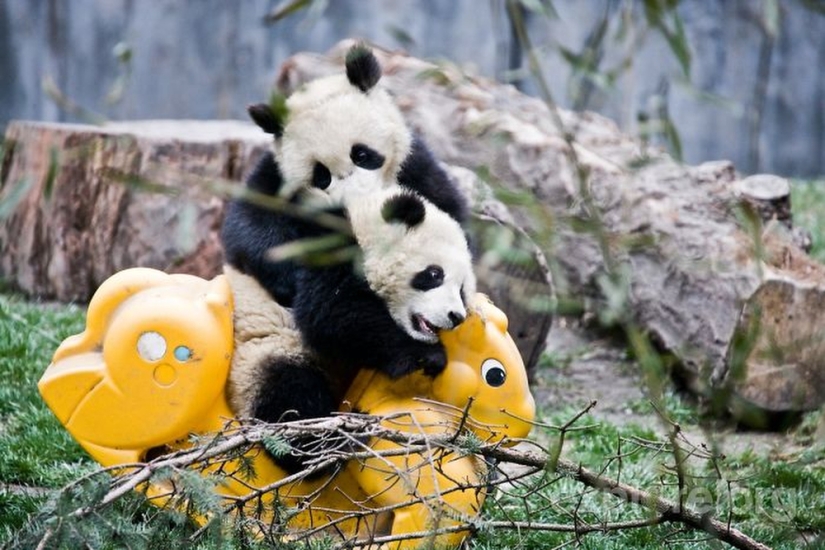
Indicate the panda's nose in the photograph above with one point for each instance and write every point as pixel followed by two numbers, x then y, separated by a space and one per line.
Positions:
pixel 456 318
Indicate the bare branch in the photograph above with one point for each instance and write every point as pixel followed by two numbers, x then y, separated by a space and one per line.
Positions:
pixel 355 428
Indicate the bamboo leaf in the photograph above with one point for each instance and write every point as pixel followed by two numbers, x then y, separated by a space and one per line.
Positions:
pixel 672 138
pixel 402 37
pixel 542 7
pixel 51 174
pixel 324 250
pixel 285 9
pixel 679 45
pixel 315 9
pixel 770 17
pixel 13 197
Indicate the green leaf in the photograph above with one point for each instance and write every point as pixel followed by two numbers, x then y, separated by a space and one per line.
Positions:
pixel 402 37
pixel 277 102
pixel 543 7
pixel 15 194
pixel 290 7
pixel 673 139
pixel 679 45
pixel 770 17
pixel 51 174
pixel 324 250
pixel 285 9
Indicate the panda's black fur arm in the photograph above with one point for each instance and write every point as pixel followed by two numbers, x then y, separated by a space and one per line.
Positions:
pixel 293 389
pixel 343 320
pixel 250 231
pixel 421 172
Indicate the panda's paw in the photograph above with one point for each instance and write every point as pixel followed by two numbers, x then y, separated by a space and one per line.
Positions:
pixel 433 361
pixel 429 358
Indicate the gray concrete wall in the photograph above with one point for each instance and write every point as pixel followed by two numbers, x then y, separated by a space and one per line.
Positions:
pixel 209 58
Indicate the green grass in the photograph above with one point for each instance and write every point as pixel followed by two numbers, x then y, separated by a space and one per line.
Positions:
pixel 808 207
pixel 777 500
pixel 35 450
pixel 37 457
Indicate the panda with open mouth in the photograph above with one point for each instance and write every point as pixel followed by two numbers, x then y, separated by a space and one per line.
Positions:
pixel 412 279
pixel 338 140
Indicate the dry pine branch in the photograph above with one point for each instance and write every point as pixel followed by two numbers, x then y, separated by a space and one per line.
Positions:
pixel 356 429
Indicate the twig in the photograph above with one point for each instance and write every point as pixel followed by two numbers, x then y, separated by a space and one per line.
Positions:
pixel 671 512
pixel 358 427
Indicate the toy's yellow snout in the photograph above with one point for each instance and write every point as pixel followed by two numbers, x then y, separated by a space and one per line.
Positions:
pixel 485 365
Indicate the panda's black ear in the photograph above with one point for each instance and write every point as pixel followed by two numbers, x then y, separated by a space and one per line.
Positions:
pixel 363 70
pixel 406 208
pixel 270 117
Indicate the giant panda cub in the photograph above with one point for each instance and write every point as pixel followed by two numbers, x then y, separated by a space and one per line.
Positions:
pixel 412 280
pixel 339 139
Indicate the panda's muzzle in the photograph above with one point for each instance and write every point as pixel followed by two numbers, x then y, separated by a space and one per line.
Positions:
pixel 430 330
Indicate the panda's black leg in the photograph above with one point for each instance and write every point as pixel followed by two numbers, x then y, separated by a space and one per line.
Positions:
pixel 295 389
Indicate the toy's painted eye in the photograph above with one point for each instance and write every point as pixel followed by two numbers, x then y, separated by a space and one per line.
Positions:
pixel 151 346
pixel 431 277
pixel 182 353
pixel 365 157
pixel 493 372
pixel 321 176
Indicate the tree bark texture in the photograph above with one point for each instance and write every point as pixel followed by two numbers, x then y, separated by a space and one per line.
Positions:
pixel 80 218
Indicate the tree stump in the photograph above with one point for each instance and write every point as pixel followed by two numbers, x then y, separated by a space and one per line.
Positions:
pixel 709 279
pixel 80 207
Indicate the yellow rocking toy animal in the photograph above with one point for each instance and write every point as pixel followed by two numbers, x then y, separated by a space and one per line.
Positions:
pixel 152 366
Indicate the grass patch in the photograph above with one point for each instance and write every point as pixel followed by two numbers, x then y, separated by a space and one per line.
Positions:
pixel 778 500
pixel 36 453
pixel 807 206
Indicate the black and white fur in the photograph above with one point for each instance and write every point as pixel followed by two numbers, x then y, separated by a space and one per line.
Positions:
pixel 412 280
pixel 339 139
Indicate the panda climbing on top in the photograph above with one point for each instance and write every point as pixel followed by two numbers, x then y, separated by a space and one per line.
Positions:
pixel 339 139
pixel 414 277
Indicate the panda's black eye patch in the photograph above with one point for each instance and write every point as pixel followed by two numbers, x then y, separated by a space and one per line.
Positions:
pixel 428 279
pixel 321 177
pixel 366 157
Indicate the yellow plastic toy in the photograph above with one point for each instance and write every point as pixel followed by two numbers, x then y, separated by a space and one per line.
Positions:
pixel 151 367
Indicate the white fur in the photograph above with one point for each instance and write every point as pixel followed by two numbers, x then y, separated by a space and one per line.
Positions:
pixel 394 253
pixel 326 118
pixel 263 330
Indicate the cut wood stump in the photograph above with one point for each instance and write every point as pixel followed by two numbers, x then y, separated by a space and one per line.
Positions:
pixel 81 211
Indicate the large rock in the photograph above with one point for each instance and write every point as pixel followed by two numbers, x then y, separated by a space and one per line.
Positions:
pixel 683 252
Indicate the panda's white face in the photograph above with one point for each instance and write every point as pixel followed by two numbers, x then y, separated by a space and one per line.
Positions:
pixel 341 143
pixel 417 261
pixel 433 299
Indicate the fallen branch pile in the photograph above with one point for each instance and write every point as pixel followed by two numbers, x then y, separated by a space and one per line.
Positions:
pixel 526 480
